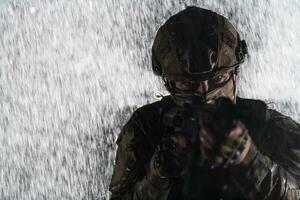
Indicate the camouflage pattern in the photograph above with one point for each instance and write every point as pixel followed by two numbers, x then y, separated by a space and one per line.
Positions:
pixel 196 44
pixel 274 173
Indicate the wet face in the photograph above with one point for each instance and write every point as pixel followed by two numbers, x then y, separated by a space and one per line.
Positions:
pixel 220 86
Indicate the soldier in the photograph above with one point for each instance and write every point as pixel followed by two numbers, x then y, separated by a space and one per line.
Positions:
pixel 202 141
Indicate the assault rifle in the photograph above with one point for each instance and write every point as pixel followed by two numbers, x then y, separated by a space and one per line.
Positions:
pixel 189 119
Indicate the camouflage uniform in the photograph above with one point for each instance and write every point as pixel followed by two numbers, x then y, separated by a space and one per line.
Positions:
pixel 273 174
pixel 198 45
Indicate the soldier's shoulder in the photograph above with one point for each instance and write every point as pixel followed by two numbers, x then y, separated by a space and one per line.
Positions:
pixel 254 107
pixel 256 104
pixel 153 111
pixel 250 102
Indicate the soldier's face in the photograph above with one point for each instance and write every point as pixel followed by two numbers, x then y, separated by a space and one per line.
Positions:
pixel 221 86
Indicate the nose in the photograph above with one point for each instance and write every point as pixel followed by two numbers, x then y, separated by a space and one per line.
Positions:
pixel 203 87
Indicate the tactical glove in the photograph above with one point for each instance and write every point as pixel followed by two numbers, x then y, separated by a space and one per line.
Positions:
pixel 224 138
pixel 169 160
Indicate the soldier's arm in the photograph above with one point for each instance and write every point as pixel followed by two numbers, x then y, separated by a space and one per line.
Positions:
pixel 274 172
pixel 129 180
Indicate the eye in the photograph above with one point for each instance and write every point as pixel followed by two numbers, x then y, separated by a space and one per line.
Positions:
pixel 221 78
pixel 186 85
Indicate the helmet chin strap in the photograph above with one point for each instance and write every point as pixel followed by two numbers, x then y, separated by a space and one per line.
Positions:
pixel 223 91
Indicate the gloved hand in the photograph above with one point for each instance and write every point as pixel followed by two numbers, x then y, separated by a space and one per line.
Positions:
pixel 169 160
pixel 224 138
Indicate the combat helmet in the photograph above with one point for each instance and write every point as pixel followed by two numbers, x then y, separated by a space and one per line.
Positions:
pixel 196 44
